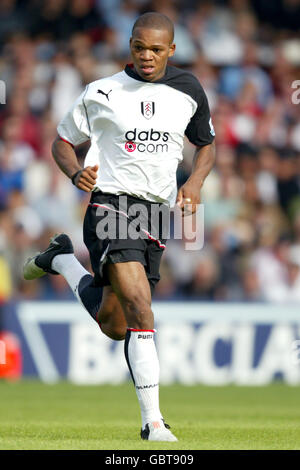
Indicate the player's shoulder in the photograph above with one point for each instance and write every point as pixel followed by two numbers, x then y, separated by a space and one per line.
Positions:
pixel 112 81
pixel 183 80
pixel 176 73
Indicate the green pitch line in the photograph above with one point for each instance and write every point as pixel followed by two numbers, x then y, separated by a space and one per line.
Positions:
pixel 64 416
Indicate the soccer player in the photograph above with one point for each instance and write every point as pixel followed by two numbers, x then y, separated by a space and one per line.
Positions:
pixel 136 121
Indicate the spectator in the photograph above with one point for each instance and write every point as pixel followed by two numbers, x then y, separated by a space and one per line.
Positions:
pixel 245 54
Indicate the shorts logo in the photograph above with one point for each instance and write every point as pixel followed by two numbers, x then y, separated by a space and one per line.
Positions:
pixel 130 146
pixel 148 109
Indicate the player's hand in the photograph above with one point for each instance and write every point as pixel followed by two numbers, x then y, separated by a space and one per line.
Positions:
pixel 188 198
pixel 86 178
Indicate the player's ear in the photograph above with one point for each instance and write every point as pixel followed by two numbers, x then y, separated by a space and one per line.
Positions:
pixel 172 48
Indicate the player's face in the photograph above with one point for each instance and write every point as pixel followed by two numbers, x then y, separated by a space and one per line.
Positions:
pixel 150 50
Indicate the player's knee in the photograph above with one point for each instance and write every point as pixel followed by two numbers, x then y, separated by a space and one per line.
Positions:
pixel 136 302
pixel 138 313
pixel 137 306
pixel 115 332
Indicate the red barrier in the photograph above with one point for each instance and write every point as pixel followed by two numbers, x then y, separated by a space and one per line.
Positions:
pixel 10 356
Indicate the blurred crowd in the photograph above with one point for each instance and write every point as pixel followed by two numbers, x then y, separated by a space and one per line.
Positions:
pixel 245 53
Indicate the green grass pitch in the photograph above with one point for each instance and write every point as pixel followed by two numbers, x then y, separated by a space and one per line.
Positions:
pixel 65 416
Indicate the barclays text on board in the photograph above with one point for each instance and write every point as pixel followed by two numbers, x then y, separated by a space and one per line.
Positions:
pixel 213 344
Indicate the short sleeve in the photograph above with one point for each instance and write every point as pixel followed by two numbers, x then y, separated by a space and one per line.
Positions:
pixel 74 127
pixel 200 129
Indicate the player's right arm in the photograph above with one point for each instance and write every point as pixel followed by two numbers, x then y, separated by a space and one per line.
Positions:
pixel 66 159
pixel 74 130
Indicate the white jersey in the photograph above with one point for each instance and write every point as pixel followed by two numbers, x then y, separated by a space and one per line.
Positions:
pixel 137 130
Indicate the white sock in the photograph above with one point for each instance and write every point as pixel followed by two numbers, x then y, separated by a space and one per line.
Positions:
pixel 69 267
pixel 142 360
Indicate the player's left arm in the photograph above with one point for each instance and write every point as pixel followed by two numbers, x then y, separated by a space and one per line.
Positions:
pixel 200 132
pixel 189 193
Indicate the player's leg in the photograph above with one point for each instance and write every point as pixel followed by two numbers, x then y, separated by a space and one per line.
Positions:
pixel 130 283
pixel 59 258
pixel 111 317
pixel 101 303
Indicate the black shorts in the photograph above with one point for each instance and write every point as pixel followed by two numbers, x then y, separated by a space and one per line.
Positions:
pixel 118 229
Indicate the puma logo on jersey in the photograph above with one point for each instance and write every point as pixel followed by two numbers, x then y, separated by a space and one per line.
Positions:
pixel 105 94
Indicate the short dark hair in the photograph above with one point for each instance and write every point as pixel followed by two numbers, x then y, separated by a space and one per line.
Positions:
pixel 154 20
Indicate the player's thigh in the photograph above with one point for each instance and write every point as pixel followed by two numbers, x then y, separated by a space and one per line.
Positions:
pixel 129 281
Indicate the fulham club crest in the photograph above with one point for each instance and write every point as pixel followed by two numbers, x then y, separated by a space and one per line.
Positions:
pixel 147 109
